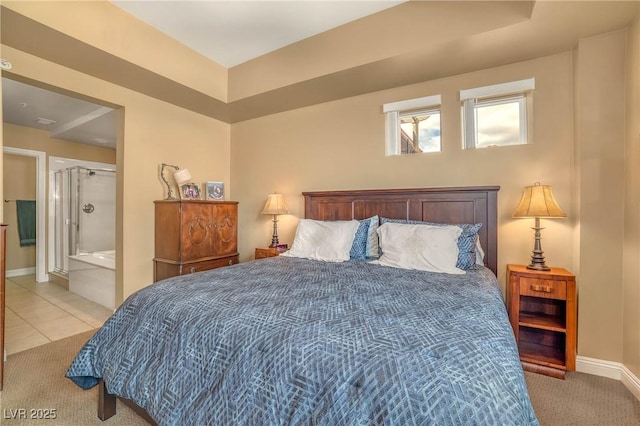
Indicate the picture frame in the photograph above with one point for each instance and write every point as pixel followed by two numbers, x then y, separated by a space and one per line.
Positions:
pixel 190 191
pixel 214 191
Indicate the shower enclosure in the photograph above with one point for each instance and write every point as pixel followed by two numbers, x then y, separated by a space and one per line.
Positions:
pixel 85 212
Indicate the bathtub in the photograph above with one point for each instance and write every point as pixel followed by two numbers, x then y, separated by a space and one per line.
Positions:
pixel 93 276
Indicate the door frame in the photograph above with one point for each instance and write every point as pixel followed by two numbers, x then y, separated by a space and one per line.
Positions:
pixel 41 174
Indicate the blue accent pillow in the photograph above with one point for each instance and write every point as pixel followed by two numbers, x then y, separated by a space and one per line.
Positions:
pixel 372 238
pixel 466 240
pixel 365 242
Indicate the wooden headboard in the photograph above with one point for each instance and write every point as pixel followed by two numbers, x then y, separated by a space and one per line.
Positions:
pixel 475 204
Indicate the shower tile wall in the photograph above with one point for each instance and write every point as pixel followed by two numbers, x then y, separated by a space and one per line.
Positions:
pixel 97 202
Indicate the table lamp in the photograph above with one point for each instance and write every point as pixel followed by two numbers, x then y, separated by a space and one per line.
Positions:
pixel 537 201
pixel 275 205
pixel 181 177
pixel 164 179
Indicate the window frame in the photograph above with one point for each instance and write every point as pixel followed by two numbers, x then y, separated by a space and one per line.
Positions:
pixel 395 110
pixel 520 90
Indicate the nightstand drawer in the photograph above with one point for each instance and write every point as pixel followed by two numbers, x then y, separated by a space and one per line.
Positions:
pixel 262 253
pixel 548 289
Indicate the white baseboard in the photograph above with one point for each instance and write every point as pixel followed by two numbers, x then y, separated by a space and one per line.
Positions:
pixel 612 370
pixel 19 272
pixel 631 382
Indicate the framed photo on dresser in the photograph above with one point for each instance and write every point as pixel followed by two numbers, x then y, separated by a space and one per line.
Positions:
pixel 190 191
pixel 214 191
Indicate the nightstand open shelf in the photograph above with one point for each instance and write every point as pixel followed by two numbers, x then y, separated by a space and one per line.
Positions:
pixel 541 321
pixel 542 346
pixel 549 314
pixel 542 311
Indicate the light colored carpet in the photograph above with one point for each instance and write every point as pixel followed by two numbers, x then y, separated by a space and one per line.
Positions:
pixel 34 380
pixel 582 400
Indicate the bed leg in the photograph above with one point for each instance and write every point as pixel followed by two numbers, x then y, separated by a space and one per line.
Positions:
pixel 106 402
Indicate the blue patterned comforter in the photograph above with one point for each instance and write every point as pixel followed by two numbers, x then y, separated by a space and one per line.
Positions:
pixel 287 341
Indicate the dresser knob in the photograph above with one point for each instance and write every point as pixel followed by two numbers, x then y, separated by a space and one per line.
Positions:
pixel 231 262
pixel 193 269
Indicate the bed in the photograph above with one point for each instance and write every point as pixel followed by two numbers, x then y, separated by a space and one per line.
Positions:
pixel 289 340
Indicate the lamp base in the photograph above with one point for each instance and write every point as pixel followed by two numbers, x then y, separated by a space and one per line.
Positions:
pixel 537 258
pixel 538 267
pixel 274 238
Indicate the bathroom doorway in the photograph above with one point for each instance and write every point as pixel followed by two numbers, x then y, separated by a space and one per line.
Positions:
pixel 46 122
pixel 25 157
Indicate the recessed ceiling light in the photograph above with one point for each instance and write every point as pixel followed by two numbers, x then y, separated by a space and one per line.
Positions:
pixel 45 121
pixel 24 105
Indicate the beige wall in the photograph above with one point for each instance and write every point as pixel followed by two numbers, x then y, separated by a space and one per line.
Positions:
pixel 340 145
pixel 20 175
pixel 631 271
pixel 39 140
pixel 152 132
pixel 600 93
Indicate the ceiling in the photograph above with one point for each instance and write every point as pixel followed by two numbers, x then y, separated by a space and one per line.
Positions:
pixel 257 28
pixel 64 117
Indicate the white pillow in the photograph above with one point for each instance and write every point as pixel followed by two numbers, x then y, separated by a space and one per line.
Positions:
pixel 422 247
pixel 330 241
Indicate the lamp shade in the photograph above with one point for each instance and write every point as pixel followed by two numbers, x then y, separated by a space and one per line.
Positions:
pixel 182 176
pixel 275 205
pixel 538 201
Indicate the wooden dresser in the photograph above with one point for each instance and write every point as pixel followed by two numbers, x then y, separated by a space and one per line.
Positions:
pixel 193 236
pixel 543 315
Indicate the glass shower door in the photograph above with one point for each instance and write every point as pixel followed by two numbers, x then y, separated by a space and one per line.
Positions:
pixel 84 204
pixel 62 220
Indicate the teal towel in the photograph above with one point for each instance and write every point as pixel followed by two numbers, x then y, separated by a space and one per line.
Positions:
pixel 26 222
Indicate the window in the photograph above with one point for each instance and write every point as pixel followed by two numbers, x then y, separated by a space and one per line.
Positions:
pixel 413 126
pixel 496 115
pixel 420 131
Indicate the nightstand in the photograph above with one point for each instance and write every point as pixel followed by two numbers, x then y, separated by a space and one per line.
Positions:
pixel 261 253
pixel 542 311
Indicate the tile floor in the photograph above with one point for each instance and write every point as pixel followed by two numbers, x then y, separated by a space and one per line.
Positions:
pixel 39 313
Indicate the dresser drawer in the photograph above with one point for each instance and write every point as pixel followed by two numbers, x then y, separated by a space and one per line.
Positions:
pixel 538 287
pixel 168 268
pixel 189 268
